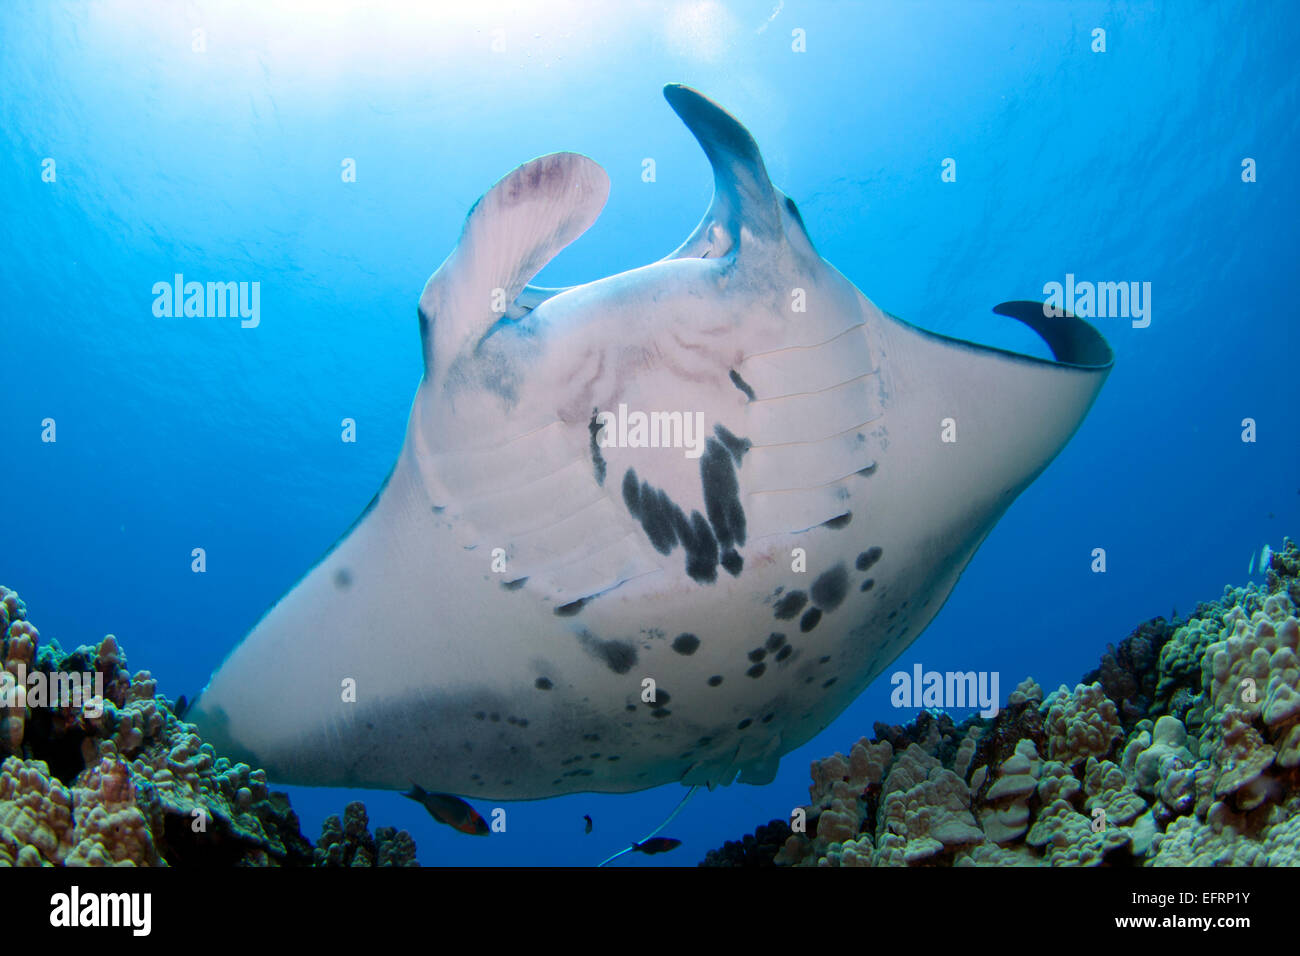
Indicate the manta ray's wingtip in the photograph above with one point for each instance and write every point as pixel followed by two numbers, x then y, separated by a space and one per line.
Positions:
pixel 1073 341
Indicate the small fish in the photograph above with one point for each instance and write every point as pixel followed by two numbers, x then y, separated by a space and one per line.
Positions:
pixel 587 817
pixel 657 845
pixel 1250 571
pixel 453 811
pixel 1265 557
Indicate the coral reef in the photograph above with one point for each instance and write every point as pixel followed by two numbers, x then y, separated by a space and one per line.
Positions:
pixel 1181 749
pixel 349 843
pixel 755 849
pixel 98 770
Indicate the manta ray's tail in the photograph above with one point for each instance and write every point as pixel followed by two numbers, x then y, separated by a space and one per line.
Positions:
pixel 655 832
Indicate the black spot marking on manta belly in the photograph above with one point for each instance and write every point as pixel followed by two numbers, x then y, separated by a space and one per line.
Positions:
pixel 572 608
pixel 775 642
pixel 597 459
pixel 686 644
pixel 744 723
pixel 830 587
pixel 868 584
pixel 736 446
pixel 715 680
pixel 618 656
pixel 660 712
pixel 791 605
pixel 784 652
pixel 810 619
pixel 767 718
pixel 757 670
pixel 543 683
pixel 666 525
pixel 741 384
pixel 722 495
pixel 867 558
pixel 514 585
pixel 343 579
pixel 839 521
pixel 828 683
pixel 733 562
pixel 757 654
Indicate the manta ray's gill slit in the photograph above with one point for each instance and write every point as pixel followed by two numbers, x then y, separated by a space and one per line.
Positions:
pixel 805 348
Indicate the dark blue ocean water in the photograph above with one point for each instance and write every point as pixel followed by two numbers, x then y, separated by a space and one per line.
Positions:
pixel 1123 165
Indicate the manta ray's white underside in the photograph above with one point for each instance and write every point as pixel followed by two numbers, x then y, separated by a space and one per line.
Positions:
pixel 521 577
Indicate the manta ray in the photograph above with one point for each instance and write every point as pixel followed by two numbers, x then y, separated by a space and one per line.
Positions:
pixel 662 526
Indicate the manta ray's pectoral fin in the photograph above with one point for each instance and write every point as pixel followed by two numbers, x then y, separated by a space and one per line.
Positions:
pixel 743 195
pixel 514 230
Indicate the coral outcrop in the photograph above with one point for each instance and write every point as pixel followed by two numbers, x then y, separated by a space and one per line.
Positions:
pixel 1181 749
pixel 98 770
pixel 348 842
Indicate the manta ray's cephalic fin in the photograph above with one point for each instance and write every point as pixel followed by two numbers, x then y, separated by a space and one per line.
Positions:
pixel 743 194
pixel 514 230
